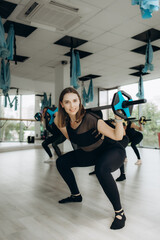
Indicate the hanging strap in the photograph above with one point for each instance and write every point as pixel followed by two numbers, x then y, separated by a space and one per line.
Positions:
pixel 15 47
pixel 149 57
pixel 78 65
pixel 15 99
pixel 84 96
pixel 140 93
pixel 90 91
pixel 4 53
pixel 10 42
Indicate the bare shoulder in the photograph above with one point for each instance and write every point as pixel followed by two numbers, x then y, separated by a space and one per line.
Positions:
pixel 133 125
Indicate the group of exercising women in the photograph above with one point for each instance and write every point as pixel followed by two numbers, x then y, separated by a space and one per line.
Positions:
pixel 95 143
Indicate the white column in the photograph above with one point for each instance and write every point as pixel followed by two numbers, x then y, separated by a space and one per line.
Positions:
pixel 62 80
pixel 21 128
pixel 140 113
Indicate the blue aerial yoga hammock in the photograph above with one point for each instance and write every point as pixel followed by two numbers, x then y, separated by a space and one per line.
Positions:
pixel 149 57
pixel 5 77
pixel 5 84
pixel 6 53
pixel 15 99
pixel 84 97
pixel 88 97
pixel 90 91
pixel 10 42
pixel 75 68
pixel 147 7
pixel 45 102
pixel 50 100
pixel 140 93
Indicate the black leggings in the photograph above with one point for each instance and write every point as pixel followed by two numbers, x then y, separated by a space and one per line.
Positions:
pixel 136 140
pixel 54 140
pixel 105 161
pixel 124 142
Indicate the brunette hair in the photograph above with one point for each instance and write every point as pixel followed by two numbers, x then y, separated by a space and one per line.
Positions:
pixel 63 117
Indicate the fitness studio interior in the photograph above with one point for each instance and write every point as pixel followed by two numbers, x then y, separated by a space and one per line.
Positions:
pixel 109 52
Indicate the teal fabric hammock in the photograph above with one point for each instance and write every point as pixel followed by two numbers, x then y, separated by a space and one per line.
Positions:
pixel 88 97
pixel 10 42
pixel 75 68
pixel 15 100
pixel 147 7
pixel 149 57
pixel 6 46
pixel 45 102
pixel 5 76
pixel 140 93
pixel 6 54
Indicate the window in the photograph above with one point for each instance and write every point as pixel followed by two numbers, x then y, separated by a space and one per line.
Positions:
pixel 16 130
pixel 28 111
pixel 151 110
pixel 9 130
pixel 105 98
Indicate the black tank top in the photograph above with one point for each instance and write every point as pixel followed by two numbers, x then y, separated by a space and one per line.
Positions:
pixel 86 135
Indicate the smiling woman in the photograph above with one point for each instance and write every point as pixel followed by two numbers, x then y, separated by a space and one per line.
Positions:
pixel 86 130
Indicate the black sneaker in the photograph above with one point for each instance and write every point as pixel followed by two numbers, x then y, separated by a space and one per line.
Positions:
pixel 72 198
pixel 121 178
pixel 118 223
pixel 91 173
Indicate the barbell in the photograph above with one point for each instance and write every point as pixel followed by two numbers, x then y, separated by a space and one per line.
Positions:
pixel 48 114
pixel 38 116
pixel 121 101
pixel 142 120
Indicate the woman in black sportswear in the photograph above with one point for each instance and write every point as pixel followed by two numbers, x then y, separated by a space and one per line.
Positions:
pixel 86 130
pixel 56 138
pixel 135 137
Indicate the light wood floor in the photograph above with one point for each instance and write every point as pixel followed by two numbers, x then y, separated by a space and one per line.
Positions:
pixel 30 190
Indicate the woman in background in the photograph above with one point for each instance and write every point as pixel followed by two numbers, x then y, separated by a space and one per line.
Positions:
pixel 55 139
pixel 135 137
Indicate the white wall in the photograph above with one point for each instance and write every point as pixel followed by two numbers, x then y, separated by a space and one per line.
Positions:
pixel 26 84
pixel 62 80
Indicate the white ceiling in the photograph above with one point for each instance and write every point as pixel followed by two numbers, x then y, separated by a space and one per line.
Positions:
pixel 108 26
